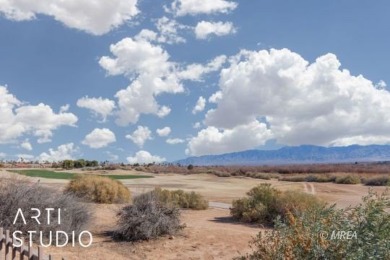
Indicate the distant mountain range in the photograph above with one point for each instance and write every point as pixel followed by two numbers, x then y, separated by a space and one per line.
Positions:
pixel 296 155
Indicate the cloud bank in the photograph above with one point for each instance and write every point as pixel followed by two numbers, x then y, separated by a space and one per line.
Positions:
pixel 18 119
pixel 279 95
pixel 95 17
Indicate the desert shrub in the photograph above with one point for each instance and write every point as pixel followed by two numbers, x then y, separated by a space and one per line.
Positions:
pixel 315 233
pixel 311 178
pixel 377 181
pixel 264 203
pixel 222 174
pixel 348 179
pixel 147 218
pixel 250 174
pixel 259 206
pixel 18 194
pixel 98 189
pixel 239 172
pixel 182 199
pixel 140 169
pixel 263 176
pixel 298 178
pixel 258 175
pixel 320 178
pixel 110 167
pixel 295 202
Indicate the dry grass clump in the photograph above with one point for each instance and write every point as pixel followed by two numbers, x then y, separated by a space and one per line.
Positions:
pixel 147 218
pixel 348 179
pixel 18 194
pixel 182 199
pixel 98 189
pixel 264 203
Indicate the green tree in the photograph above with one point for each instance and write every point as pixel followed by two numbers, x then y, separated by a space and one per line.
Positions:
pixel 81 163
pixel 93 163
pixel 67 164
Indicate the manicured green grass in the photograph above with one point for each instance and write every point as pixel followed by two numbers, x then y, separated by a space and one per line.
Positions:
pixel 67 176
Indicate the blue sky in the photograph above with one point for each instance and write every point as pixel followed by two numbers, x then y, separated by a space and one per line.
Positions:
pixel 141 81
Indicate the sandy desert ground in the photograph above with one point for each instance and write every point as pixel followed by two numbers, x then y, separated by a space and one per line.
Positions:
pixel 210 234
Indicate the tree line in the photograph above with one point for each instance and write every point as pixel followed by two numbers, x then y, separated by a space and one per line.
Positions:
pixel 80 163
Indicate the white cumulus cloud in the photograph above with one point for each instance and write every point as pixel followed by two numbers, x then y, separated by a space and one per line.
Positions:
pixel 217 141
pixel 381 84
pixel 144 157
pixel 194 7
pixel 163 111
pixel 148 67
pixel 18 119
pixel 140 135
pixel 196 72
pixel 63 152
pixel 174 141
pixel 169 31
pixel 64 108
pixel 26 145
pixel 99 106
pixel 95 17
pixel 204 29
pixel 200 105
pixel 197 125
pixel 301 103
pixel 99 138
pixel 151 73
pixel 165 131
pixel 215 97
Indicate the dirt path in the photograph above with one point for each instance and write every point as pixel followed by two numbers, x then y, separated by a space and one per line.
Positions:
pixel 308 187
pixel 210 234
pixel 305 189
pixel 219 205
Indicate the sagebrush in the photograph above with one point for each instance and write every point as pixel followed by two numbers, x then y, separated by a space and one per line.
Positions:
pixel 147 218
pixel 182 199
pixel 312 234
pixel 18 194
pixel 264 203
pixel 348 179
pixel 98 189
pixel 377 181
